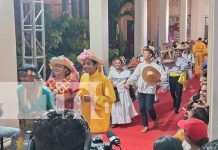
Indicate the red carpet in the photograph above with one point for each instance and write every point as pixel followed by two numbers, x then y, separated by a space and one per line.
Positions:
pixel 131 136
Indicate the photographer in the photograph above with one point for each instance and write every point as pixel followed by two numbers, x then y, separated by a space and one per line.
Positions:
pixel 63 129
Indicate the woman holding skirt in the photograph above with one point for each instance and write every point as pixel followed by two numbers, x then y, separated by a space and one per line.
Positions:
pixel 123 109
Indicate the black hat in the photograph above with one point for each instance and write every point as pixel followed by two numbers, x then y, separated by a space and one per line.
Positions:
pixel 29 69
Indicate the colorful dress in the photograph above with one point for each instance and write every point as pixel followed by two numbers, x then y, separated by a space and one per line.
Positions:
pixel 123 110
pixel 97 111
pixel 67 87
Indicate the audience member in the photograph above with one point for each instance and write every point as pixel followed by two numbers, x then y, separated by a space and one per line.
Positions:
pixel 213 145
pixel 63 129
pixel 167 143
pixel 195 131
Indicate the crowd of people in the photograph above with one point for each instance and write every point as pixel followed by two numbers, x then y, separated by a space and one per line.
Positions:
pixel 106 99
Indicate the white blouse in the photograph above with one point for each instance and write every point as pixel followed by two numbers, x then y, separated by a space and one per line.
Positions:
pixel 136 78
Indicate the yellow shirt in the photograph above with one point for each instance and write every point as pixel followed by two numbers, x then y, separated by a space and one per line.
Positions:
pixel 97 112
pixel 199 47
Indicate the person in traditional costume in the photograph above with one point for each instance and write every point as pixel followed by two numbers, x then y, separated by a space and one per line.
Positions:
pixel 123 109
pixel 33 96
pixel 199 50
pixel 147 75
pixel 96 93
pixel 188 55
pixel 178 71
pixel 63 81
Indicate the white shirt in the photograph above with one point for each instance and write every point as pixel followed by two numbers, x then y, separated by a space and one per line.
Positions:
pixel 119 79
pixel 136 77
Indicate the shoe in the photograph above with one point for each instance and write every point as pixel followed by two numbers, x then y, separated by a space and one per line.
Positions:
pixel 145 129
pixel 113 126
pixel 156 122
pixel 176 111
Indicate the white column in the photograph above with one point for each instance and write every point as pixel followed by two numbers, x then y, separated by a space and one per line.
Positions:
pixel 183 20
pixel 154 20
pixel 194 19
pixel 140 30
pixel 213 70
pixel 98 22
pixel 163 21
pixel 8 61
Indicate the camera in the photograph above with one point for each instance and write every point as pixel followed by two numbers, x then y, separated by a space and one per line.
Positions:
pixel 95 143
pixel 98 144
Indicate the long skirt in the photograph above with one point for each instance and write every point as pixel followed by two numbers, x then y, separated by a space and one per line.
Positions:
pixel 123 110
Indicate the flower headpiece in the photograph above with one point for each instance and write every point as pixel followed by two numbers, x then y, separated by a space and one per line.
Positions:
pixel 87 54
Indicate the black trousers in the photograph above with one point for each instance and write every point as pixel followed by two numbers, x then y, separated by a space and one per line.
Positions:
pixel 146 102
pixel 175 91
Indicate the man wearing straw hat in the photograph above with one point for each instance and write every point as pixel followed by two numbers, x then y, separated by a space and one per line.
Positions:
pixel 96 93
pixel 147 74
pixel 175 74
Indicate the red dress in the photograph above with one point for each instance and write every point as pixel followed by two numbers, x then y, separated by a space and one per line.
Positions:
pixel 68 87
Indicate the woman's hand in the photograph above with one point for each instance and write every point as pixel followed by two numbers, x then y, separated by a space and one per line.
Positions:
pixel 127 86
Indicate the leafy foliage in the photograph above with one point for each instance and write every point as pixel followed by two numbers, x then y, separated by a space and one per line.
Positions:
pixel 114 8
pixel 66 36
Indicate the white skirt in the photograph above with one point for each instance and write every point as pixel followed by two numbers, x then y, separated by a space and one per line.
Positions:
pixel 124 110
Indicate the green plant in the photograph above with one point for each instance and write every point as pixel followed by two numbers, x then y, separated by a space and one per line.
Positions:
pixel 113 52
pixel 114 15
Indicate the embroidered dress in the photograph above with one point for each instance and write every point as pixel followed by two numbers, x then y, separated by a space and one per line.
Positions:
pixel 67 87
pixel 123 110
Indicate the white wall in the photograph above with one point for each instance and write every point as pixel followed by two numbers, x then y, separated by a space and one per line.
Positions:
pixel 8 73
pixel 199 10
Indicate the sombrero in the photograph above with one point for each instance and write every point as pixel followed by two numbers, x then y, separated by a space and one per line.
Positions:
pixel 87 54
pixel 151 75
pixel 62 60
pixel 180 47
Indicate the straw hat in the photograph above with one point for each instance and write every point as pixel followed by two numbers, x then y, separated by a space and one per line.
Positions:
pixel 62 60
pixel 87 54
pixel 151 75
pixel 151 48
pixel 180 47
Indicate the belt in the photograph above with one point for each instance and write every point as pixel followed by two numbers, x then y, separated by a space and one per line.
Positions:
pixel 174 74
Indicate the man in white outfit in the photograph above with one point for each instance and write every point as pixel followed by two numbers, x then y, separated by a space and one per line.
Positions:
pixel 146 92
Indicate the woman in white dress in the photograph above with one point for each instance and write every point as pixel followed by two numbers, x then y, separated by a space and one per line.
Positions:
pixel 123 109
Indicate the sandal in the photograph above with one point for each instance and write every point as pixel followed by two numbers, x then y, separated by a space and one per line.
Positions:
pixel 145 129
